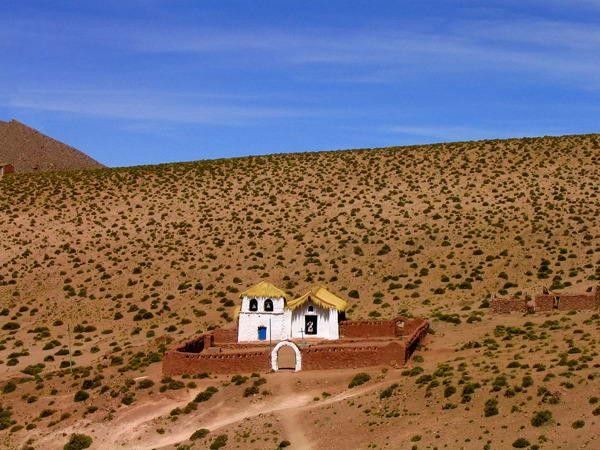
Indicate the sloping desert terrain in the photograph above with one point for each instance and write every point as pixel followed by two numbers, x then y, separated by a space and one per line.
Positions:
pixel 117 264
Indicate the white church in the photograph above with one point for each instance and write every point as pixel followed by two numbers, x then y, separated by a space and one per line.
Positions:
pixel 267 315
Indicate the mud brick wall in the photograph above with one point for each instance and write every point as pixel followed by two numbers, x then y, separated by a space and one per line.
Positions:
pixel 178 363
pixel 196 345
pixel 368 328
pixel 544 302
pixel 508 305
pixel 245 345
pixel 337 357
pixel 415 328
pixel 225 335
pixel 577 302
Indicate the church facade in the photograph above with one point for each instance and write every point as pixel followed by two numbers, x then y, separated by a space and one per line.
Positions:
pixel 266 314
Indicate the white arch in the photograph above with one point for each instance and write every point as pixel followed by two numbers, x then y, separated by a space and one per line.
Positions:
pixel 274 364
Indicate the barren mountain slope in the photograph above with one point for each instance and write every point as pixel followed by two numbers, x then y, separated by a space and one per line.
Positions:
pixel 29 150
pixel 133 258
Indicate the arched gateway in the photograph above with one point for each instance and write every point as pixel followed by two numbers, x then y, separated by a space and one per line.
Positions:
pixel 286 355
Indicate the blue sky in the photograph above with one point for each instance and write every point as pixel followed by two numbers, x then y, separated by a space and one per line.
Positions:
pixel 138 82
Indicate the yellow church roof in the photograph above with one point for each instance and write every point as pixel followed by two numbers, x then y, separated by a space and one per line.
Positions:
pixel 264 289
pixel 320 296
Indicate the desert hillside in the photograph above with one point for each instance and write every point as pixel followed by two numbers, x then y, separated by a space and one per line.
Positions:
pixel 29 150
pixel 130 259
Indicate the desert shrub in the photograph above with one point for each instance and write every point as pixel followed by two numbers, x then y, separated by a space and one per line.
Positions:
pixel 46 413
pixel 449 390
pixel 9 387
pixel 33 369
pixel 78 442
pixel 206 394
pixel 251 390
pixel 238 379
pixel 527 381
pixel 170 383
pixel 5 417
pixel 199 434
pixel 81 396
pixel 128 399
pixel 145 383
pixel 521 443
pixel 9 326
pixel 358 379
pixel 541 418
pixel 490 408
pixel 451 318
pixel 578 424
pixel 387 392
pixel 384 250
pixel 219 442
pixel 284 444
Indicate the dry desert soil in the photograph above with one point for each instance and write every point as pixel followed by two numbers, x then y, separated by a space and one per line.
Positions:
pixel 28 150
pixel 101 270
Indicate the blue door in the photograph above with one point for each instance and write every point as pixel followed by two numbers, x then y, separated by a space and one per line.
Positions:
pixel 262 333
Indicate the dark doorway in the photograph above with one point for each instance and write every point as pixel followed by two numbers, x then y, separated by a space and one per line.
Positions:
pixel 310 325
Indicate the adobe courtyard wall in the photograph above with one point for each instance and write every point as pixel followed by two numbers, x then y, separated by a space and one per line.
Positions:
pixel 225 335
pixel 367 328
pixel 414 329
pixel 218 351
pixel 180 363
pixel 337 357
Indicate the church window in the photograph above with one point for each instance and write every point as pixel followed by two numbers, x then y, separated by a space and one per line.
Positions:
pixel 268 305
pixel 253 304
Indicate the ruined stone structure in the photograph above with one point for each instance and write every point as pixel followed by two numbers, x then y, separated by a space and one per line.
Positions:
pixel 502 305
pixel 548 301
pixel 6 168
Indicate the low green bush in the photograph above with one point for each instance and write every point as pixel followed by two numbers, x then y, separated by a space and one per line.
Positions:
pixel 358 379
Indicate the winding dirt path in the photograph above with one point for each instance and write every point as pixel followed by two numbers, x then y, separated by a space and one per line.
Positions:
pixel 134 428
pixel 291 420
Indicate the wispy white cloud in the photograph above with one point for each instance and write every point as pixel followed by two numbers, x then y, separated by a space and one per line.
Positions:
pixel 154 106
pixel 547 50
pixel 443 132
pixel 559 50
pixel 539 33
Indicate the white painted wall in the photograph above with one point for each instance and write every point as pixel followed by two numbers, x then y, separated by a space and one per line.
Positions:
pixel 327 322
pixel 249 321
pixel 285 324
